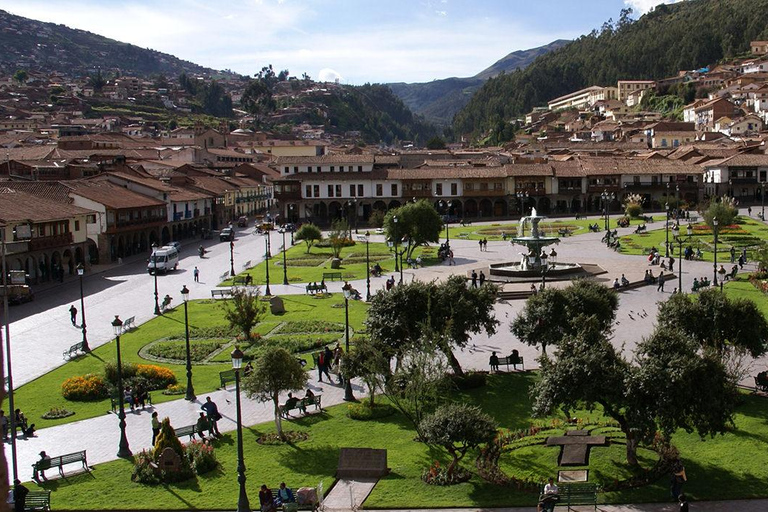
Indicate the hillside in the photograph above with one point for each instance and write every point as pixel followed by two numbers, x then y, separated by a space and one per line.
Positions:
pixel 439 100
pixel 681 36
pixel 38 46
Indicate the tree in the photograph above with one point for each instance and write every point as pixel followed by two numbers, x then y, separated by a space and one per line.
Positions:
pixel 724 209
pixel 718 323
pixel 338 236
pixel 673 385
pixel 97 81
pixel 558 312
pixel 450 311
pixel 275 371
pixel 244 310
pixel 309 233
pixel 417 224
pixel 457 428
pixel 367 362
pixel 436 143
pixel 376 220
pixel 21 76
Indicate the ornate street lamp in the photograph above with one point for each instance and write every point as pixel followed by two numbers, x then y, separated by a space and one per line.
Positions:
pixel 680 241
pixel 266 263
pixel 293 221
pixel 394 239
pixel 762 199
pixel 348 397
pixel 607 197
pixel 154 258
pixel 242 501
pixel 714 226
pixel 190 389
pixel 367 268
pixel 231 258
pixel 124 450
pixel 285 265
pixel 446 207
pixel 521 196
pixel 80 272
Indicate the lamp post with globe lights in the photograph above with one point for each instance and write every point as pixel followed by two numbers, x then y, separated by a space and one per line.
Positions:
pixel 124 450
pixel 190 389
pixel 242 502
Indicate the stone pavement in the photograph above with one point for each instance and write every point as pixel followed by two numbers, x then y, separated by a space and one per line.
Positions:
pixel 701 506
pixel 41 330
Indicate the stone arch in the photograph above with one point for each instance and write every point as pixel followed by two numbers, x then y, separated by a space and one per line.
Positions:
pixel 545 205
pixel 79 255
pixel 135 245
pixel 470 208
pixel 380 205
pixel 457 209
pixel 320 210
pixel 500 208
pixel 17 264
pixel 175 232
pixel 486 208
pixel 121 246
pixel 92 252
pixel 31 268
pixel 394 204
pixel 68 261
pixel 44 266
pixel 575 205
pixel 166 236
pixel 335 211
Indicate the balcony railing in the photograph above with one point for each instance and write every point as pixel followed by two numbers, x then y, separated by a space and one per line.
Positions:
pixel 49 242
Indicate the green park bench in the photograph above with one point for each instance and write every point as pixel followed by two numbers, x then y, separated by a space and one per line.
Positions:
pixel 114 403
pixel 303 506
pixel 74 350
pixel 39 467
pixel 189 430
pixel 304 403
pixel 38 500
pixel 221 292
pixel 574 495
pixel 226 377
pixel 316 287
pixel 332 276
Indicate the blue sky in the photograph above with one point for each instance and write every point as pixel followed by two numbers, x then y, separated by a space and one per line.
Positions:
pixel 358 40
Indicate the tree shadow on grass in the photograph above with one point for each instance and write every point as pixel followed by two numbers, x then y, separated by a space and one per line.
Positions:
pixel 316 460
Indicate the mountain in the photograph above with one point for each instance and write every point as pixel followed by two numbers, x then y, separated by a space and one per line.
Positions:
pixel 672 37
pixel 39 46
pixel 439 100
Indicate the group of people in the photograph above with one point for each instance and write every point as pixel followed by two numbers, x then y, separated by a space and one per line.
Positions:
pixel 349 290
pixel 329 360
pixel 594 228
pixel 135 397
pixel 444 252
pixel 513 359
pixel 689 254
pixel 376 270
pixel 483 245
pixel 742 257
pixel 390 283
pixel 293 402
pixel 475 278
pixel 19 421
pixel 285 498
pixel 624 281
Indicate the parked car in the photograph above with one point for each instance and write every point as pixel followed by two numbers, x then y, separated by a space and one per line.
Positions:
pixel 175 245
pixel 227 235
pixel 163 259
pixel 242 221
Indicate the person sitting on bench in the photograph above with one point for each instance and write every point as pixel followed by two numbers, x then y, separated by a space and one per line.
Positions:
pixel 21 421
pixel 514 359
pixel 202 425
pixel 41 465
pixel 292 403
pixel 549 497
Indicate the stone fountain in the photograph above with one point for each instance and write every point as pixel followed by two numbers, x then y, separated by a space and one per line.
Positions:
pixel 534 260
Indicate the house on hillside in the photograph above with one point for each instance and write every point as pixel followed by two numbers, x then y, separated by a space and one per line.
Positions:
pixel 668 134
pixel 709 112
pixel 748 125
pixel 626 87
pixel 759 47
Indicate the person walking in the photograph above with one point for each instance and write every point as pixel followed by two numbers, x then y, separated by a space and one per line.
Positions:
pixel 212 411
pixel 155 427
pixel 480 243
pixel 73 314
pixel 474 279
pixel 660 288
pixel 196 273
pixel 733 254
pixel 19 496
pixel 482 278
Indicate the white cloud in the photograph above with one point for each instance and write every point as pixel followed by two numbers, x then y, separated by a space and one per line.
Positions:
pixel 643 6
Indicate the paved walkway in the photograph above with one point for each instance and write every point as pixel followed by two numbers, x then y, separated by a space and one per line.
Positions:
pixel 41 330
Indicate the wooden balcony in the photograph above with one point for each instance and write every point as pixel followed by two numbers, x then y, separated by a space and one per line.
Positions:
pixel 49 242
pixel 484 193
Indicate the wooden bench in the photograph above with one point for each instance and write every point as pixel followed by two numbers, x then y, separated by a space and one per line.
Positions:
pixel 305 506
pixel 564 232
pixel 221 292
pixel 38 500
pixel 574 495
pixel 317 287
pixel 59 461
pixel 129 324
pixel 115 404
pixel 189 430
pixel 74 349
pixel 226 377
pixel 761 382
pixel 508 361
pixel 242 280
pixel 332 276
pixel 304 403
pixel 224 276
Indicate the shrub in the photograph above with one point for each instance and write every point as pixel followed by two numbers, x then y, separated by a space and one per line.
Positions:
pixel 110 372
pixel 158 377
pixel 302 326
pixel 634 210
pixel 198 350
pixel 201 457
pixel 363 411
pixel 56 413
pixel 143 472
pixel 84 387
pixel 175 389
pixel 438 475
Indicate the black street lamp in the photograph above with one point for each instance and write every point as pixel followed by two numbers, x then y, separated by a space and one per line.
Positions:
pixel 607 197
pixel 285 266
pixel 232 258
pixel 124 450
pixel 266 263
pixel 190 389
pixel 395 237
pixel 714 228
pixel 80 272
pixel 154 258
pixel 521 196
pixel 348 397
pixel 680 241
pixel 242 501
pixel 762 199
pixel 446 207
pixel 666 228
pixel 293 221
pixel 367 268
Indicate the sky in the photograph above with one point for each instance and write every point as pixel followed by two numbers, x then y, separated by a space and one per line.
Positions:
pixel 357 41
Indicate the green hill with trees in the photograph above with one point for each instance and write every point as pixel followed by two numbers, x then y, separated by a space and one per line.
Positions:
pixel 682 36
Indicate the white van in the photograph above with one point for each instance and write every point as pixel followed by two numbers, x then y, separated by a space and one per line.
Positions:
pixel 163 259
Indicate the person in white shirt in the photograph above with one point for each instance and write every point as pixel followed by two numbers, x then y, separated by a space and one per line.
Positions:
pixel 549 497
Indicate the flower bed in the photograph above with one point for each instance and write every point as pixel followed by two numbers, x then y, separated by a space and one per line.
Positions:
pixel 199 350
pixel 310 326
pixel 84 388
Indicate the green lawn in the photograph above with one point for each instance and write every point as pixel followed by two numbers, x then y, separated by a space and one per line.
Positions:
pixel 306 267
pixel 726 467
pixel 549 227
pixel 39 396
pixel 745 233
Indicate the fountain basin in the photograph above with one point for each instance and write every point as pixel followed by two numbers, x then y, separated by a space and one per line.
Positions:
pixel 555 271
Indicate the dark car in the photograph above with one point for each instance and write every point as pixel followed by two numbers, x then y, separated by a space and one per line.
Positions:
pixel 227 235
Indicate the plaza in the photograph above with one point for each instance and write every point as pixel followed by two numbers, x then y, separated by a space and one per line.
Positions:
pixel 42 329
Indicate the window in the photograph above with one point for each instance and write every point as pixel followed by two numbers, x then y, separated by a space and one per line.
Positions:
pixel 77 225
pixel 360 191
pixel 359 168
pixel 663 143
pixel 341 168
pixel 285 171
pixel 330 190
pixel 394 190
pixel 636 180
pixel 295 169
pixel 309 168
pixel 319 169
pixel 308 191
pixel 439 189
pixel 454 189
pixel 468 186
pixel 379 190
pixel 316 190
pixel 333 169
pixel 351 191
pixel 483 186
pixel 338 190
pixel 498 186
